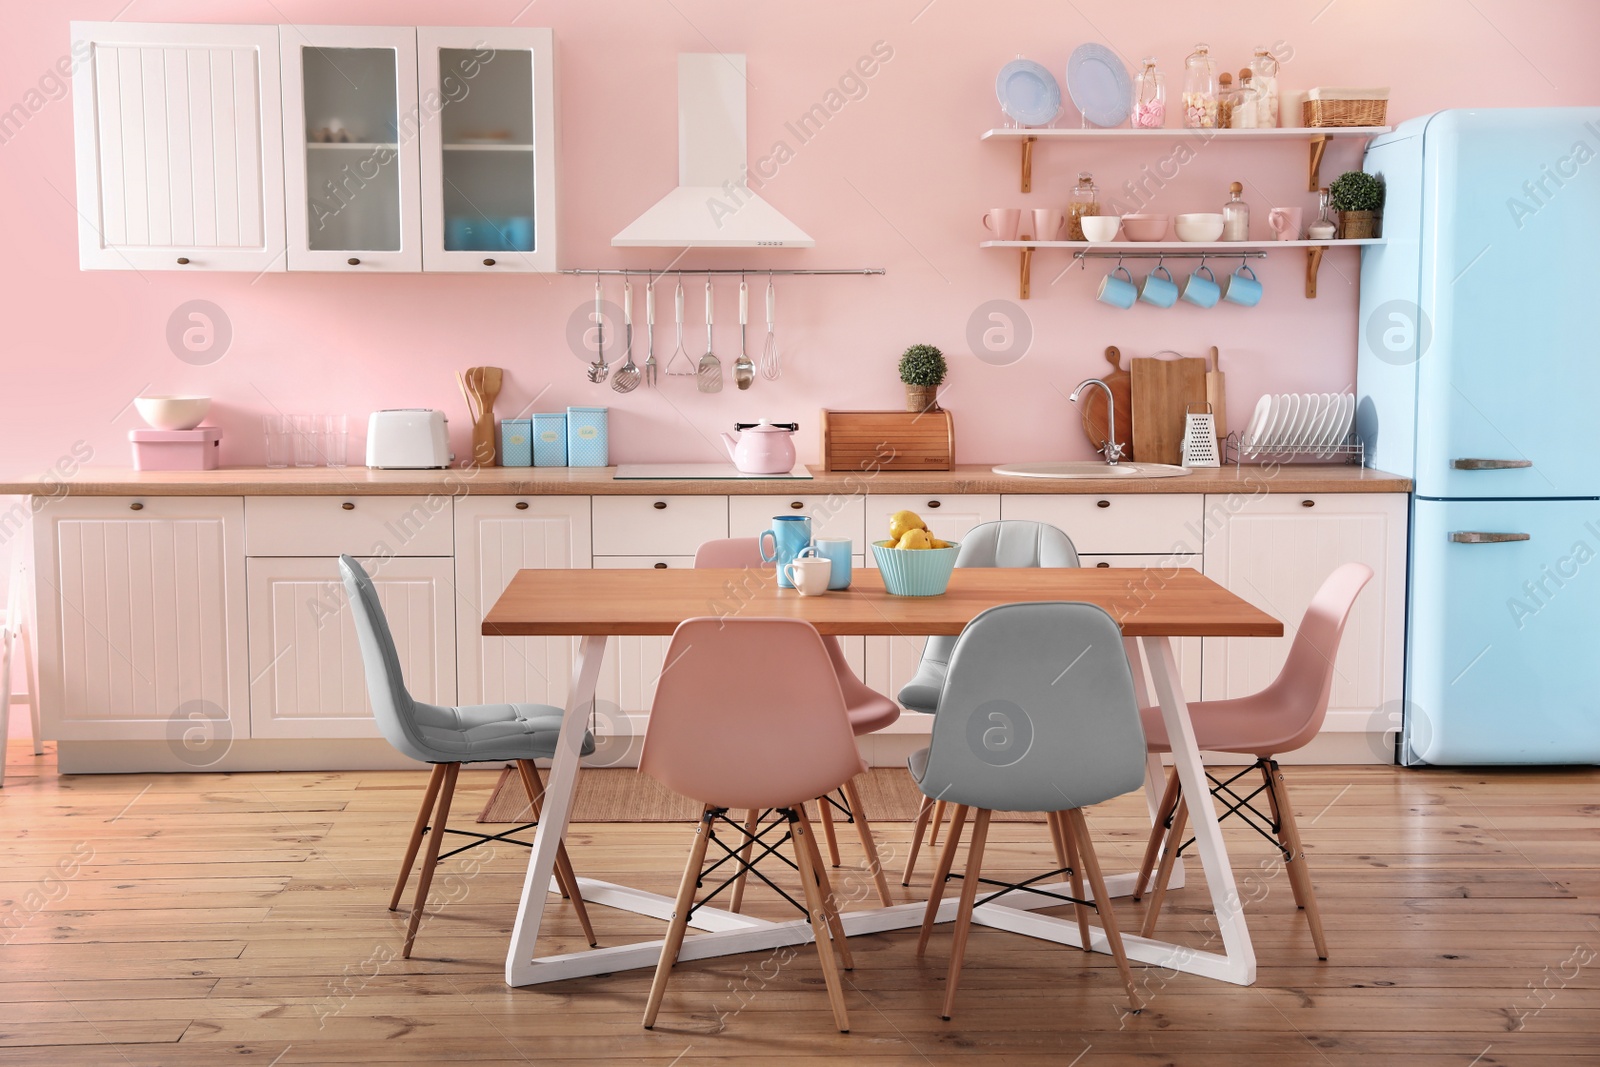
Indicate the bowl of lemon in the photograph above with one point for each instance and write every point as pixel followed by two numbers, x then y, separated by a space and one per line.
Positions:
pixel 912 560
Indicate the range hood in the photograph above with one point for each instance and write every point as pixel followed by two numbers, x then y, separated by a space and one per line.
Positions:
pixel 713 206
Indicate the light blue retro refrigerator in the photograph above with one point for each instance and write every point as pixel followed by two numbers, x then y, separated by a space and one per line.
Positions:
pixel 1479 377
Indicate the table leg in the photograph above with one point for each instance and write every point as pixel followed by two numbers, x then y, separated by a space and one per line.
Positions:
pixel 1155 775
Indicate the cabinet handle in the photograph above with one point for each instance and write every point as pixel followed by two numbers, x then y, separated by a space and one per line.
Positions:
pixel 660 505
pixel 353 261
pixel 1308 503
pixel 183 260
pixel 1102 503
pixel 135 506
pixel 1102 564
pixel 488 263
pixel 796 504
pixel 522 505
pixel 348 506
pixel 1488 464
pixel 1478 537
pixel 933 503
pixel 661 566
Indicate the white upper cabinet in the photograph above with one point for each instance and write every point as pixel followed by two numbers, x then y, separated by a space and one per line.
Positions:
pixel 179 147
pixel 351 152
pixel 486 116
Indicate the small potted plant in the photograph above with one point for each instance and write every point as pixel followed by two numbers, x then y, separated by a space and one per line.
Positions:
pixel 1358 198
pixel 922 368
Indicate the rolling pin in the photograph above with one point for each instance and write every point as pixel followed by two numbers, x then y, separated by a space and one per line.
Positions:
pixel 1217 395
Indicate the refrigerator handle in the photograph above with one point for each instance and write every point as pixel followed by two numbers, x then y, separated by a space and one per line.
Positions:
pixel 1478 537
pixel 1490 464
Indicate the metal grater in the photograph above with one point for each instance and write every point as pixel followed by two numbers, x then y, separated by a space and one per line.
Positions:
pixel 1200 437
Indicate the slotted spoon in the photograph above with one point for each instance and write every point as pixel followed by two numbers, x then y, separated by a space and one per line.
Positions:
pixel 627 377
pixel 769 354
pixel 597 369
pixel 680 353
pixel 708 375
pixel 744 371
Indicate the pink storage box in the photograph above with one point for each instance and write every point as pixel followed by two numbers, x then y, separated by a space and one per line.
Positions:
pixel 176 450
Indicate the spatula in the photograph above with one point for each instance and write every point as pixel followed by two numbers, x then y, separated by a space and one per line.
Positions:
pixel 484 385
pixel 708 375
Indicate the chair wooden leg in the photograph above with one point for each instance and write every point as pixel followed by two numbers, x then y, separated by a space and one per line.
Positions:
pixel 7 640
pixel 969 893
pixel 566 877
pixel 30 678
pixel 752 822
pixel 680 918
pixel 1158 831
pixel 809 860
pixel 938 818
pixel 825 816
pixel 917 832
pixel 1277 820
pixel 830 903
pixel 1169 859
pixel 1070 844
pixel 1297 862
pixel 429 795
pixel 947 859
pixel 868 845
pixel 447 789
pixel 1108 916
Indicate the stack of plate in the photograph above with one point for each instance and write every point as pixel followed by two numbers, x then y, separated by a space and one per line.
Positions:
pixel 1314 424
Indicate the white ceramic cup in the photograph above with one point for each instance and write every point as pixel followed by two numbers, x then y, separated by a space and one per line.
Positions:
pixel 1100 229
pixel 809 574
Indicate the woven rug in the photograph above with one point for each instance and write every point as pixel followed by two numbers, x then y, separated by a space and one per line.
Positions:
pixel 622 794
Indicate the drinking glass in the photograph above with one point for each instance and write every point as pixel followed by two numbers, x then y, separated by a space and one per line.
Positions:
pixel 278 432
pixel 335 439
pixel 305 440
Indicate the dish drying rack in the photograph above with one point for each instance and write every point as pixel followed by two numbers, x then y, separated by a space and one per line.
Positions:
pixel 1352 449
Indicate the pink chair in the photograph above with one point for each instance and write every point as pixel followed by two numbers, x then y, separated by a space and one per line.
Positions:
pixel 750 715
pixel 869 711
pixel 1281 718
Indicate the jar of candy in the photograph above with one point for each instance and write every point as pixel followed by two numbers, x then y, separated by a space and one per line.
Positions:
pixel 1264 73
pixel 1085 201
pixel 1200 89
pixel 1226 95
pixel 1149 97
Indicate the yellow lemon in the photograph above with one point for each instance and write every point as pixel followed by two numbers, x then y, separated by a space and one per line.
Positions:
pixel 915 539
pixel 938 543
pixel 901 521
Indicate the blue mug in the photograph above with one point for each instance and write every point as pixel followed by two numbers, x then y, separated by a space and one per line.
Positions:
pixel 518 230
pixel 1242 288
pixel 1201 289
pixel 837 551
pixel 1159 289
pixel 789 533
pixel 1118 292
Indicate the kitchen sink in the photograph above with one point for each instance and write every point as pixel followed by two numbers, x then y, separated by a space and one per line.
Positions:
pixel 1091 469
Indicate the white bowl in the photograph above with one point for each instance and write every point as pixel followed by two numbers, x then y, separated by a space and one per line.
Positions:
pixel 1205 226
pixel 1100 229
pixel 172 412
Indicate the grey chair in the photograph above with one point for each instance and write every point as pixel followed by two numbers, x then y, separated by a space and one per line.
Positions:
pixel 1038 714
pixel 447 738
pixel 1006 543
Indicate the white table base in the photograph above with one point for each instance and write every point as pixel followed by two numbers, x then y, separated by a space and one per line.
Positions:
pixel 727 933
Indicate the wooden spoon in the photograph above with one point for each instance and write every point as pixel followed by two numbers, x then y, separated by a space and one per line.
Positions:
pixel 484 383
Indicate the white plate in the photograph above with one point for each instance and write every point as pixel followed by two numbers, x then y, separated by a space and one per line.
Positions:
pixel 1339 431
pixel 1269 432
pixel 1315 409
pixel 1099 85
pixel 1028 93
pixel 1258 423
pixel 1317 431
pixel 1284 432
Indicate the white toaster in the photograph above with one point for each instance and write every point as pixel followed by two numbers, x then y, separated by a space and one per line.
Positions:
pixel 408 439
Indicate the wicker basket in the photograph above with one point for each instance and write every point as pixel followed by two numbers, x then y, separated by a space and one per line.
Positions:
pixel 1344 112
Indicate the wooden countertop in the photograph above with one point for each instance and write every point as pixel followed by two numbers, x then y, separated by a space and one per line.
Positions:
pixel 597 481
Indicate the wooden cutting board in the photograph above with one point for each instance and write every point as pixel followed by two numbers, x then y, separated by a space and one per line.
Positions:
pixel 1162 391
pixel 1093 404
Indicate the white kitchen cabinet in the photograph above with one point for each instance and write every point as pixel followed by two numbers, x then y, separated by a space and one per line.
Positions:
pixel 487 121
pixel 891 661
pixel 1275 551
pixel 1119 524
pixel 831 516
pixel 307 679
pixel 352 158
pixel 1187 649
pixel 496 536
pixel 141 617
pixel 657 525
pixel 179 144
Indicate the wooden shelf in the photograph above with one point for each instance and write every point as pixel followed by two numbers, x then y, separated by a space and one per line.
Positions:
pixel 354 146
pixel 495 147
pixel 1316 136
pixel 1175 249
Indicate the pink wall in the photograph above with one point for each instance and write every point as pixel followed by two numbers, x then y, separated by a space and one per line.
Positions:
pixel 896 179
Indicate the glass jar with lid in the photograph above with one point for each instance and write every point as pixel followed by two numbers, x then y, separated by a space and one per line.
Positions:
pixel 1085 201
pixel 1264 73
pixel 1200 89
pixel 1244 115
pixel 1236 215
pixel 1149 97
pixel 1226 95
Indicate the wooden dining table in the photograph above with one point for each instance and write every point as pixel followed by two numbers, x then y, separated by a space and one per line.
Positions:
pixel 1152 606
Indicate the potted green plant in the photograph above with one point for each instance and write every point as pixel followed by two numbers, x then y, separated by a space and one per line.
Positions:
pixel 1358 198
pixel 922 368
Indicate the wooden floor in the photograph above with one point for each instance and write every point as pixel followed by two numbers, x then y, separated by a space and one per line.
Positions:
pixel 209 919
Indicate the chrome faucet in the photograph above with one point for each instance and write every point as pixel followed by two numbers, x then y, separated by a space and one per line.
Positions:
pixel 1108 448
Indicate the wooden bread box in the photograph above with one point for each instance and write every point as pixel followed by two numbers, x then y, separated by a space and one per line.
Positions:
pixel 888 440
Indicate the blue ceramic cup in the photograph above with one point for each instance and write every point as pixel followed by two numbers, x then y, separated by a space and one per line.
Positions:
pixel 1202 289
pixel 518 231
pixel 1159 289
pixel 1118 292
pixel 789 533
pixel 1242 288
pixel 836 550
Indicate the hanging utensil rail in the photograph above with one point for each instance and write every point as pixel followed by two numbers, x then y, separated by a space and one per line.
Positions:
pixel 863 271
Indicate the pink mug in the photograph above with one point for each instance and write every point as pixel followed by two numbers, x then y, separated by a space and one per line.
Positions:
pixel 1003 222
pixel 1048 223
pixel 1285 222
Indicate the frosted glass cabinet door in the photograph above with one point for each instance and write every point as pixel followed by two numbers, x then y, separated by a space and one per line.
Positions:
pixel 351 123
pixel 487 121
pixel 179 137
